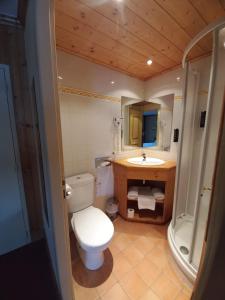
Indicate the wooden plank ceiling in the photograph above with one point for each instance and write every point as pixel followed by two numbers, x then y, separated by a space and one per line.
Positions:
pixel 124 34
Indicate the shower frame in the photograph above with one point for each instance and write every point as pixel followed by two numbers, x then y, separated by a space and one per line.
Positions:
pixel 186 263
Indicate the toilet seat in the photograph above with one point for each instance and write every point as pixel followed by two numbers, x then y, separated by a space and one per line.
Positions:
pixel 92 228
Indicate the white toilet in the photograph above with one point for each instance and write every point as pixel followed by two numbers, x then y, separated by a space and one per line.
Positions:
pixel 92 228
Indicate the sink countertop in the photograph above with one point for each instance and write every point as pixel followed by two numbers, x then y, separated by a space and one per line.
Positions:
pixel 169 164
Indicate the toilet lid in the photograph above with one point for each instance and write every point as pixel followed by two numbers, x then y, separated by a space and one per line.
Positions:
pixel 92 227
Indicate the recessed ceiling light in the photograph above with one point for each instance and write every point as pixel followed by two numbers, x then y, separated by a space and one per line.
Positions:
pixel 60 77
pixel 149 62
pixel 178 79
pixel 112 82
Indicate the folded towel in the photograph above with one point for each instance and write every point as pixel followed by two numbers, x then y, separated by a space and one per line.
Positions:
pixel 158 194
pixel 146 202
pixel 132 192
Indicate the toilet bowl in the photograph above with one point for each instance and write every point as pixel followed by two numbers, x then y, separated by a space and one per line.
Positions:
pixel 92 228
pixel 93 231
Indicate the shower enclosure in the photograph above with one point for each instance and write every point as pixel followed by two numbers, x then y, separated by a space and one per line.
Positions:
pixel 203 101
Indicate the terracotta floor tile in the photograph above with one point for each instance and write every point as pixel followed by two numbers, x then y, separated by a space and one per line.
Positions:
pixel 106 285
pixel 176 275
pixel 133 285
pixel 158 256
pixel 150 295
pixel 114 249
pixel 161 229
pixel 121 266
pixel 165 288
pixel 163 244
pixel 183 296
pixel 121 241
pixel 119 223
pixel 115 293
pixel 133 255
pixel 188 289
pixel 148 271
pixel 132 237
pixel 83 293
pixel 140 229
pixel 144 244
pixel 154 233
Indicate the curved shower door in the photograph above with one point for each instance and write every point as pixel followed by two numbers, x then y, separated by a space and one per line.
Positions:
pixel 203 100
pixel 209 151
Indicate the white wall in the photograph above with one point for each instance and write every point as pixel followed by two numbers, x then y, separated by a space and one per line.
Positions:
pixel 87 123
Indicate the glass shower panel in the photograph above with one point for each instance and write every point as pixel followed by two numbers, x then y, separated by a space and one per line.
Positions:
pixel 184 222
pixel 211 147
pixel 203 70
pixel 184 160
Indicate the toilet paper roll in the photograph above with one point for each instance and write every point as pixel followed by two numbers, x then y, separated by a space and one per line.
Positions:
pixel 130 212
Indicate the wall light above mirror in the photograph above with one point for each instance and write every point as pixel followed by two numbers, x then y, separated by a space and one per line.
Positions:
pixel 147 123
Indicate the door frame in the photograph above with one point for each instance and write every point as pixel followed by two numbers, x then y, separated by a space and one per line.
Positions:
pixel 6 71
pixel 42 68
pixel 50 112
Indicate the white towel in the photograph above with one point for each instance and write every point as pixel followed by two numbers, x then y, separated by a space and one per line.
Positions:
pixel 158 194
pixel 146 202
pixel 146 199
pixel 132 193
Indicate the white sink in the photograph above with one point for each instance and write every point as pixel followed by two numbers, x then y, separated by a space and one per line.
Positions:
pixel 149 161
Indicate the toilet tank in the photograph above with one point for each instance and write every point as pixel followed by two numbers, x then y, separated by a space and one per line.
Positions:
pixel 82 192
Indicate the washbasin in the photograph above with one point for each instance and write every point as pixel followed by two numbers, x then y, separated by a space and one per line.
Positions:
pixel 149 161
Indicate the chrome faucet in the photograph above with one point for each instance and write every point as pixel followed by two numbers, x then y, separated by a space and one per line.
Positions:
pixel 144 156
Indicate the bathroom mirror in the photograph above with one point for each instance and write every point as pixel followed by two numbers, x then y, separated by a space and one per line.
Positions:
pixel 148 123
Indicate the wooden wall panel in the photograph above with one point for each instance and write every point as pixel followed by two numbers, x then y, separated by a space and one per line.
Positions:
pixel 13 54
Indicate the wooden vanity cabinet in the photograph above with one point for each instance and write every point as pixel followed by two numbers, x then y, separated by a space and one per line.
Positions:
pixel 164 176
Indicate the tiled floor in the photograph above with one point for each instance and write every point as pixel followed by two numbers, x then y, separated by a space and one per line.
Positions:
pixel 138 265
